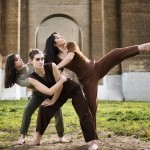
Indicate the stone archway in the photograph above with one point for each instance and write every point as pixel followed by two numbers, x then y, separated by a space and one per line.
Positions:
pixel 61 23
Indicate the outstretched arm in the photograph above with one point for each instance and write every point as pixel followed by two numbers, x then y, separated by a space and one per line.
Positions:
pixel 66 60
pixel 44 89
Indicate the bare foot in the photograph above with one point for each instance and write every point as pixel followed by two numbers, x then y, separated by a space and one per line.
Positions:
pixel 144 47
pixel 21 141
pixel 92 145
pixel 63 140
pixel 34 143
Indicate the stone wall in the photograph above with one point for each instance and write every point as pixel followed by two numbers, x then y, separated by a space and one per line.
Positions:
pixel 57 16
pixel 9 27
pixel 96 25
pixel 135 23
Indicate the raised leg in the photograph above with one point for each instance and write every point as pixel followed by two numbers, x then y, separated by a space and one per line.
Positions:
pixel 81 108
pixel 144 47
pixel 114 57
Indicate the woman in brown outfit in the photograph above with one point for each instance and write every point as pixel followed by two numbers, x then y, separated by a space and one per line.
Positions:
pixel 89 72
pixel 47 74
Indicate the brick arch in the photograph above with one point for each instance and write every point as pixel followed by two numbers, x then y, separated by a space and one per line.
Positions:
pixel 63 16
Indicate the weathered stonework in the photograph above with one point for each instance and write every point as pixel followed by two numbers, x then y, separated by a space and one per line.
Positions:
pixel 135 23
pixel 96 25
pixel 9 27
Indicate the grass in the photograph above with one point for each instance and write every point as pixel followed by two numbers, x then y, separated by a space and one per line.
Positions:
pixel 122 118
pixel 125 118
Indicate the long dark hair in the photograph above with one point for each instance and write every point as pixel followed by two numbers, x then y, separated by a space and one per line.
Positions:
pixel 10 71
pixel 50 50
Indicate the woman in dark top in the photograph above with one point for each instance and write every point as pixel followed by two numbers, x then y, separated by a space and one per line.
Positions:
pixel 47 75
pixel 17 72
pixel 89 72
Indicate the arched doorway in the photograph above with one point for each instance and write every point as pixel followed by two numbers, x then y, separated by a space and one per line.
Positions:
pixel 61 23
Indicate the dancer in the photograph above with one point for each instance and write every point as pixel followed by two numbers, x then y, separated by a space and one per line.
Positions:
pixel 89 72
pixel 70 90
pixel 17 72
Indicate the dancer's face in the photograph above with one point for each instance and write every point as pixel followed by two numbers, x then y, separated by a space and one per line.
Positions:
pixel 59 40
pixel 38 61
pixel 18 62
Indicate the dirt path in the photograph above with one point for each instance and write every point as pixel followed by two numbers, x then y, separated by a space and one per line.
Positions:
pixel 76 142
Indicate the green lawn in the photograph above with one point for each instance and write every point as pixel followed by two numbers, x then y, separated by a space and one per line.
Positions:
pixel 122 118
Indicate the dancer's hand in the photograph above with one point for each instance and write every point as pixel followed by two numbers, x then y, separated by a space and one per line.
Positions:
pixel 48 102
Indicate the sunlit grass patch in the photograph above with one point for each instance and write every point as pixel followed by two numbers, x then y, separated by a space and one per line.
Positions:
pixel 121 118
pixel 125 118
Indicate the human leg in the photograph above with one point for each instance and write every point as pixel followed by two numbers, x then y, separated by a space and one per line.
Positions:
pixel 73 90
pixel 85 117
pixel 90 92
pixel 44 117
pixel 80 105
pixel 114 57
pixel 33 103
pixel 101 68
pixel 59 124
pixel 45 114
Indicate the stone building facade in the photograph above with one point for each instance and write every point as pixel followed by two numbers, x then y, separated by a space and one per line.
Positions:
pixel 96 25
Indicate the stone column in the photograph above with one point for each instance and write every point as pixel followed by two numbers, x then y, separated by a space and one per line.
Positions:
pixel 1 26
pixel 23 29
pixel 96 50
pixel 111 89
pixel 10 27
pixel 0 46
pixel 111 28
